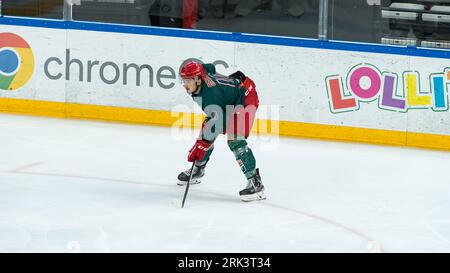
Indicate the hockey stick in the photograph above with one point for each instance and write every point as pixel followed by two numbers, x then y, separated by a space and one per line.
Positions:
pixel 187 185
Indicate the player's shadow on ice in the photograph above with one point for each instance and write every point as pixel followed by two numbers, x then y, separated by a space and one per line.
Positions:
pixel 212 196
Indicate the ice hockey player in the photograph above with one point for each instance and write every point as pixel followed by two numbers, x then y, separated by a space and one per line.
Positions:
pixel 230 105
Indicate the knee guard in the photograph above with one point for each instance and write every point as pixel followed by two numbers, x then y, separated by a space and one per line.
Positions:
pixel 244 157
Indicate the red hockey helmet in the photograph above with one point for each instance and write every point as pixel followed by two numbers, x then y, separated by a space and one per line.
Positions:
pixel 191 70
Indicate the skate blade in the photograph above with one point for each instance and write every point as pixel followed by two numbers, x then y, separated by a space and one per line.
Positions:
pixel 253 197
pixel 193 181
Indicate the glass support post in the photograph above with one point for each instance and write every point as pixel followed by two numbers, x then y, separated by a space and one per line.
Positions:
pixel 323 20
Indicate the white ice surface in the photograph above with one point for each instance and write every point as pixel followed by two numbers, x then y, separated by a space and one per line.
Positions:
pixel 74 185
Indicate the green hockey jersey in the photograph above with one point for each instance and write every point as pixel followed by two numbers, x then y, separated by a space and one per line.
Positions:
pixel 219 95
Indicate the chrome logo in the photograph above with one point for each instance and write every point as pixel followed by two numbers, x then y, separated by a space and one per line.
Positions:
pixel 16 61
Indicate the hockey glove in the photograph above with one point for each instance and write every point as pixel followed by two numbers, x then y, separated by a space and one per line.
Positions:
pixel 198 151
pixel 238 75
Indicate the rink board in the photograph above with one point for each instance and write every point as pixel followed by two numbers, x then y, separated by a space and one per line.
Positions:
pixel 307 88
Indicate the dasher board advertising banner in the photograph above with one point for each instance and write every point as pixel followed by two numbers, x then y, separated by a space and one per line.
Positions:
pixel 327 88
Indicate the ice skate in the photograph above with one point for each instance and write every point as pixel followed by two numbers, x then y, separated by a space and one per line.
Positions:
pixel 254 190
pixel 199 172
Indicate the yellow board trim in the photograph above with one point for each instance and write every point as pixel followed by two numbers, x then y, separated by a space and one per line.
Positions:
pixel 168 118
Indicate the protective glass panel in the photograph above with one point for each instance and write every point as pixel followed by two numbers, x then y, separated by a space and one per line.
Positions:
pixel 423 23
pixel 273 17
pixel 354 20
pixel 52 9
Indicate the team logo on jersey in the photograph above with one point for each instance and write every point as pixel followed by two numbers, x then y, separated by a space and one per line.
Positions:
pixel 209 82
pixel 16 61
